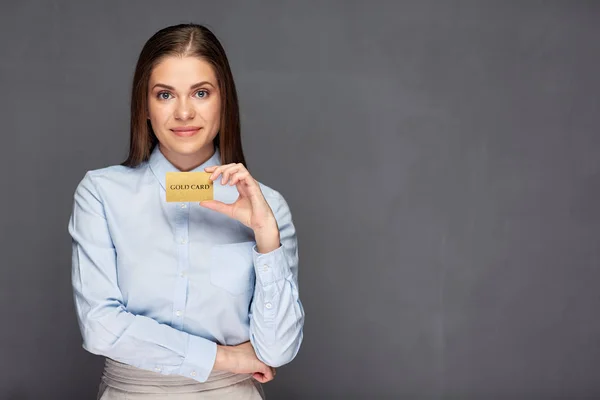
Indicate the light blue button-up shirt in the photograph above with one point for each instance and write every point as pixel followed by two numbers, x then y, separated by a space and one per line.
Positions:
pixel 158 285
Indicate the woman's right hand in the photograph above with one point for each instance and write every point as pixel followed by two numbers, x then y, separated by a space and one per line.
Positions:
pixel 241 359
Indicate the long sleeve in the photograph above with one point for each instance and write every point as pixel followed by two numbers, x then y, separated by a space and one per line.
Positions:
pixel 107 327
pixel 276 313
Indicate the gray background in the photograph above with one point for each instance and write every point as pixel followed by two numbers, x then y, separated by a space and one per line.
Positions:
pixel 441 160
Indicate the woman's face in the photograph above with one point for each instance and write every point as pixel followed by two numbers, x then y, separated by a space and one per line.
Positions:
pixel 183 93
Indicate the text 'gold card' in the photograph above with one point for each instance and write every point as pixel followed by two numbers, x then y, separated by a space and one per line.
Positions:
pixel 189 186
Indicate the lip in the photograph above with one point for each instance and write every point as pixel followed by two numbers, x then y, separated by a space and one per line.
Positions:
pixel 186 131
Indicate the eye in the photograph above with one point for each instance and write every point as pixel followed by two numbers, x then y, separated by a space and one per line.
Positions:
pixel 203 92
pixel 161 95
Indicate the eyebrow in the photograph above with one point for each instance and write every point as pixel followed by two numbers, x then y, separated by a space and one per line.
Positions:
pixel 194 86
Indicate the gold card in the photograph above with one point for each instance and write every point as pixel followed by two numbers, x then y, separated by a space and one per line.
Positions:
pixel 189 186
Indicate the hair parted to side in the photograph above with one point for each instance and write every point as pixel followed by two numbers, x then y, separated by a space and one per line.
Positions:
pixel 184 40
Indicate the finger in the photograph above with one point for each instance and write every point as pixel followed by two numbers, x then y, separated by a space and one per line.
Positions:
pixel 227 173
pixel 268 373
pixel 259 377
pixel 217 170
pixel 253 192
pixel 222 170
pixel 217 206
pixel 262 378
pixel 238 176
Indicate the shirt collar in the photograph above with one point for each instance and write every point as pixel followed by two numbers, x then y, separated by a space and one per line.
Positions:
pixel 160 165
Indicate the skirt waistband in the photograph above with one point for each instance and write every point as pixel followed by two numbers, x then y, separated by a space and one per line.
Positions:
pixel 133 379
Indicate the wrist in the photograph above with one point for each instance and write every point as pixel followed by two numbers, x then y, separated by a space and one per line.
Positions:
pixel 267 227
pixel 267 241
pixel 222 359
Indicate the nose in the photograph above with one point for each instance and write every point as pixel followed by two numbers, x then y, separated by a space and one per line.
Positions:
pixel 184 110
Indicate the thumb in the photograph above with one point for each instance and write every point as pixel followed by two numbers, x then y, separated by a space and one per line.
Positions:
pixel 216 205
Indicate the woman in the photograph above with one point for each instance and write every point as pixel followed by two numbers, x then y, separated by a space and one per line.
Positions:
pixel 185 300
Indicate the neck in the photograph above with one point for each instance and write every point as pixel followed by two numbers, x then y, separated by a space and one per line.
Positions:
pixel 187 162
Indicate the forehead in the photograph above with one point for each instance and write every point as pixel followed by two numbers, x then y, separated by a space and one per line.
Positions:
pixel 182 71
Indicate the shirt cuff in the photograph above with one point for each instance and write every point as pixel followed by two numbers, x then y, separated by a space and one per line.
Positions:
pixel 200 358
pixel 270 267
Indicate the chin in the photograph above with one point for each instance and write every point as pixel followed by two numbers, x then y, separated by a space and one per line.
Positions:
pixel 187 148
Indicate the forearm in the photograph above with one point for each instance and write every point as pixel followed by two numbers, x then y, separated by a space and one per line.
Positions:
pixel 111 331
pixel 277 316
pixel 267 238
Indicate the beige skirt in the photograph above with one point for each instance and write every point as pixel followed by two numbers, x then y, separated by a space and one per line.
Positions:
pixel 126 382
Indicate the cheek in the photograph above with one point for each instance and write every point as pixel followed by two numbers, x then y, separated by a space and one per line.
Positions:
pixel 211 111
pixel 216 111
pixel 157 118
pixel 158 112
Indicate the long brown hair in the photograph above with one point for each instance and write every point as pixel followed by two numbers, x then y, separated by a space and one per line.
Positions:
pixel 184 40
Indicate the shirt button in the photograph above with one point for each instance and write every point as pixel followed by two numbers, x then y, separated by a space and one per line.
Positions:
pixel 178 313
pixel 193 373
pixel 268 305
pixel 183 205
pixel 265 267
pixel 182 274
pixel 182 241
pixel 157 369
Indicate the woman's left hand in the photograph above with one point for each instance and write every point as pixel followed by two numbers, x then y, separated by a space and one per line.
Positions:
pixel 251 208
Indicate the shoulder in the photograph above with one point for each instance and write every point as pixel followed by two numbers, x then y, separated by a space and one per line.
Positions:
pixel 110 177
pixel 116 173
pixel 276 201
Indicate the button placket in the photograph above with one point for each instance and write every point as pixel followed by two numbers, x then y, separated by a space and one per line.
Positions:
pixel 182 225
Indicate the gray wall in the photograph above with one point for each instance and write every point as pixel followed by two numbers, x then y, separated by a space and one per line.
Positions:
pixel 441 160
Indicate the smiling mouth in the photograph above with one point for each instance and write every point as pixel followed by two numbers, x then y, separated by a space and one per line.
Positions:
pixel 186 132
